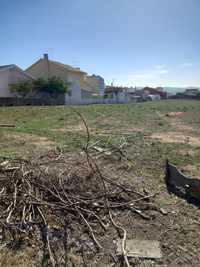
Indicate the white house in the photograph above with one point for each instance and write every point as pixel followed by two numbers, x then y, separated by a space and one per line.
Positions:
pixel 83 88
pixel 10 74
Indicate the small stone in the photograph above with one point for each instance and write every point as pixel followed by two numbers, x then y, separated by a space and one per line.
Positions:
pixel 163 211
pixel 149 249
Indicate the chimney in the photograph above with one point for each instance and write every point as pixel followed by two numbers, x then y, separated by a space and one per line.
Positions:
pixel 46 56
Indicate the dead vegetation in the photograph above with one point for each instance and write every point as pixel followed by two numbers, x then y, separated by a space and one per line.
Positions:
pixel 74 209
pixel 69 210
pixel 40 208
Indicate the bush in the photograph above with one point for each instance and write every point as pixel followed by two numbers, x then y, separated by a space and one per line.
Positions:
pixel 22 88
pixel 53 86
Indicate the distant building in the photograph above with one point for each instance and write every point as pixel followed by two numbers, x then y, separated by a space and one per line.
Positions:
pixel 155 91
pixel 191 92
pixel 117 94
pixel 96 83
pixel 153 97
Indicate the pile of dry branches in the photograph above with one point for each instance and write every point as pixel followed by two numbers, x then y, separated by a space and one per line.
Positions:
pixel 31 199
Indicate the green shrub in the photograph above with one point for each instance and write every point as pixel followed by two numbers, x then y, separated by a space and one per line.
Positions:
pixel 53 86
pixel 22 88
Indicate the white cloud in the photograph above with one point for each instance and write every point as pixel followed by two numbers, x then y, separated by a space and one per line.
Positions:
pixel 151 73
pixel 151 77
pixel 162 71
pixel 183 75
pixel 160 67
pixel 189 64
pixel 142 75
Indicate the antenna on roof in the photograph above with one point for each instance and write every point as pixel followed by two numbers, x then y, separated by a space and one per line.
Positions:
pixel 112 83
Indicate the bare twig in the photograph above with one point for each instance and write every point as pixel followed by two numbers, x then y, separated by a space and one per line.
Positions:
pixel 47 237
pixel 124 253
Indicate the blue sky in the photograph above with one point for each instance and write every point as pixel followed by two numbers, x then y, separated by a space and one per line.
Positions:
pixel 130 42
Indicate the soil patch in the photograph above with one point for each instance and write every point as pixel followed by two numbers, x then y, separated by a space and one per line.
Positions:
pixel 191 170
pixel 188 152
pixel 31 139
pixel 174 114
pixel 179 125
pixel 81 128
pixel 71 128
pixel 176 137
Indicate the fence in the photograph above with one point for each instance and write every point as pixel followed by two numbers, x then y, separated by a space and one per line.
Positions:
pixel 17 101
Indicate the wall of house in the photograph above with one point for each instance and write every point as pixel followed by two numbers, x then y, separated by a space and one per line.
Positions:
pixel 95 83
pixel 44 70
pixel 16 76
pixel 8 77
pixel 39 70
pixel 74 96
pixel 4 82
pixel 119 97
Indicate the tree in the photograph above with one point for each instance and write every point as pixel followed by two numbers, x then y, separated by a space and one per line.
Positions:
pixel 53 86
pixel 22 88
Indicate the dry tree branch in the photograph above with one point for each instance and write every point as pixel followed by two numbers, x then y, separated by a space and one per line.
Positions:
pixel 90 229
pixel 13 204
pixel 47 237
pixel 124 253
pixel 96 169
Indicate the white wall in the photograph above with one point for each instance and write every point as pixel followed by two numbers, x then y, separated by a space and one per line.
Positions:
pixel 7 77
pixel 75 95
pixel 4 84
pixel 120 97
pixel 76 98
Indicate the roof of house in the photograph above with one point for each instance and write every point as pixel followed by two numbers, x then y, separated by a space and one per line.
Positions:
pixel 67 67
pixel 13 66
pixel 5 67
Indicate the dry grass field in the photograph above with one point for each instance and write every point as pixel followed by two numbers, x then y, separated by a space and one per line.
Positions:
pixel 146 134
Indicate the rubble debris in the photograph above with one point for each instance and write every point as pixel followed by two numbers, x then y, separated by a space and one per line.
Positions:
pixel 148 249
pixel 180 184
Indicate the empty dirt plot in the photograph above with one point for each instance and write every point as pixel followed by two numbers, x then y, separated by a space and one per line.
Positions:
pixel 138 142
